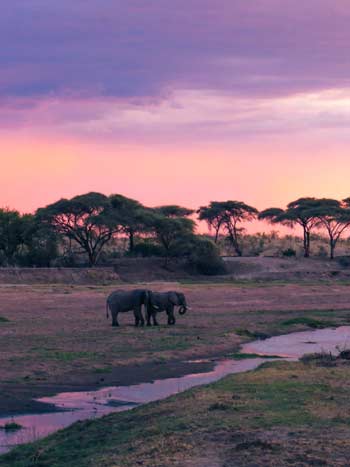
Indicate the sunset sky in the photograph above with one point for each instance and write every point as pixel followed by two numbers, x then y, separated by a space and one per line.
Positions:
pixel 181 101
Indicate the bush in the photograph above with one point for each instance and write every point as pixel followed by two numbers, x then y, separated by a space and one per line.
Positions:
pixel 344 261
pixel 289 253
pixel 204 258
pixel 147 248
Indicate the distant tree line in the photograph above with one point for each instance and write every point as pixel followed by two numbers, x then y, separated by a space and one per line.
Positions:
pixel 92 223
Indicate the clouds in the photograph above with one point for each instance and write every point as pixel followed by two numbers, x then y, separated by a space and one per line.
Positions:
pixel 190 116
pixel 146 48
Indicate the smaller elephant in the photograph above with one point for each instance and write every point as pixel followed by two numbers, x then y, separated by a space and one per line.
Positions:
pixel 165 301
pixel 121 301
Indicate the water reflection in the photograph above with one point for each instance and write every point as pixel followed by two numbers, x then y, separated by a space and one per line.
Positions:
pixel 297 344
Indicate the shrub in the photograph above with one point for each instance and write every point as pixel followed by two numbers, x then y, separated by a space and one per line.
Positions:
pixel 344 261
pixel 204 258
pixel 289 253
pixel 11 426
pixel 147 248
pixel 319 358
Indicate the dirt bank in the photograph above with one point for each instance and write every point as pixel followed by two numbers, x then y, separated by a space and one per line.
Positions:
pixel 93 276
pixel 133 270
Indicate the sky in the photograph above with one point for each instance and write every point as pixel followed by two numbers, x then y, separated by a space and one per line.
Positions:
pixel 182 101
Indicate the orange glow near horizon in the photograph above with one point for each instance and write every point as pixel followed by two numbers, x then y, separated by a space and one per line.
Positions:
pixel 35 173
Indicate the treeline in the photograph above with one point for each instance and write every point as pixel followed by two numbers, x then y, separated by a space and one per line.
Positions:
pixel 92 224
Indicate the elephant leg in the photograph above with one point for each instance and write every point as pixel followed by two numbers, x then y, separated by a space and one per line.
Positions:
pixel 138 316
pixel 115 318
pixel 171 316
pixel 141 317
pixel 149 314
pixel 154 316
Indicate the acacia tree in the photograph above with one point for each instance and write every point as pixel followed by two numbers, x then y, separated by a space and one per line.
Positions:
pixel 132 217
pixel 87 219
pixel 213 216
pixel 298 212
pixel 172 228
pixel 334 216
pixel 234 213
pixel 170 231
pixel 173 211
pixel 227 215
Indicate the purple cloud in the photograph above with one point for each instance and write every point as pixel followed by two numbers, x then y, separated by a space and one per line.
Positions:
pixel 148 48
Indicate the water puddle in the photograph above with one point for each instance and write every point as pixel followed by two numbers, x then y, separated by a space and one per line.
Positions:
pixel 297 344
pixel 92 404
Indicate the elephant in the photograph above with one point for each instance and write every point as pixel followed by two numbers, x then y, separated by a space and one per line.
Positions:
pixel 165 301
pixel 121 301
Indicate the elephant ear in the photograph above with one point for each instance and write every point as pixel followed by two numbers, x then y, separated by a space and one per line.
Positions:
pixel 173 298
pixel 152 300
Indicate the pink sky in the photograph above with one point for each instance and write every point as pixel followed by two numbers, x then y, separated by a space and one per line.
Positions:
pixel 207 101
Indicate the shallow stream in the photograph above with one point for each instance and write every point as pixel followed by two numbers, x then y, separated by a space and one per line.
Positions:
pixel 92 404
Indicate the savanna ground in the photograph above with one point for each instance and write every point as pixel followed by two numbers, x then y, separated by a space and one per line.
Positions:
pixel 55 338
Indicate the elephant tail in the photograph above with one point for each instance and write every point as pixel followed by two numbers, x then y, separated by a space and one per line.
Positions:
pixel 107 308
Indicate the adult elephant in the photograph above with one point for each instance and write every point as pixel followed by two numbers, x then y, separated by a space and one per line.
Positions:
pixel 165 301
pixel 121 301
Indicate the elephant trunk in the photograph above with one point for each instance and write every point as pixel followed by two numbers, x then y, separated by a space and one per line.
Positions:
pixel 182 310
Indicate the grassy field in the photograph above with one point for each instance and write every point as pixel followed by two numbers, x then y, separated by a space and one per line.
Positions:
pixel 54 337
pixel 49 333
pixel 281 414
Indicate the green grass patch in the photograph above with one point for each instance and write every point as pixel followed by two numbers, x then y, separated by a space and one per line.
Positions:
pixel 309 322
pixel 12 426
pixel 106 369
pixel 65 356
pixel 244 356
pixel 3 319
pixel 251 334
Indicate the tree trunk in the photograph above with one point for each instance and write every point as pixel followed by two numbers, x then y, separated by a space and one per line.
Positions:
pixel 216 236
pixel 306 244
pixel 235 244
pixel 131 242
pixel 91 259
pixel 93 256
pixel 332 244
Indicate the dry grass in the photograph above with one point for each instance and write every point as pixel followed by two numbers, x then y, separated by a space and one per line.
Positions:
pixel 283 414
pixel 57 332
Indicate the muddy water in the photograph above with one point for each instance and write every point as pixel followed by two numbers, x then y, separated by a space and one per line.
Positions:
pixel 86 405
